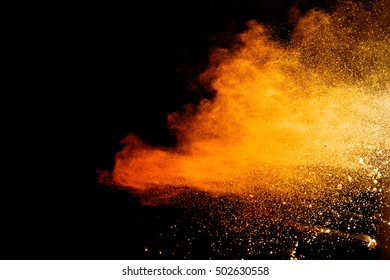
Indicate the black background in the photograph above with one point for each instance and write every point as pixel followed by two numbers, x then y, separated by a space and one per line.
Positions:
pixel 96 72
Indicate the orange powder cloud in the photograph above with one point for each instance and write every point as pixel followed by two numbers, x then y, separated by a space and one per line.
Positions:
pixel 320 100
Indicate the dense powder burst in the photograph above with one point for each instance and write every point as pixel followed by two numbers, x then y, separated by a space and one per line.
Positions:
pixel 297 132
pixel 322 99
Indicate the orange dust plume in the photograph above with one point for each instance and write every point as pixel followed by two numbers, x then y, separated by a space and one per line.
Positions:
pixel 322 99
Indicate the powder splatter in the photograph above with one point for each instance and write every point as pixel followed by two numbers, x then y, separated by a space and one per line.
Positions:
pixel 321 99
pixel 296 138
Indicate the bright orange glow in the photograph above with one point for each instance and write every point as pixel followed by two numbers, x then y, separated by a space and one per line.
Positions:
pixel 321 100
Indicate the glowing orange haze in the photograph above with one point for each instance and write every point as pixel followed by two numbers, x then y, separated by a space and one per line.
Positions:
pixel 319 100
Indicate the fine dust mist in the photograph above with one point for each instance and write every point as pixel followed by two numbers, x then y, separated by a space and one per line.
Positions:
pixel 281 111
